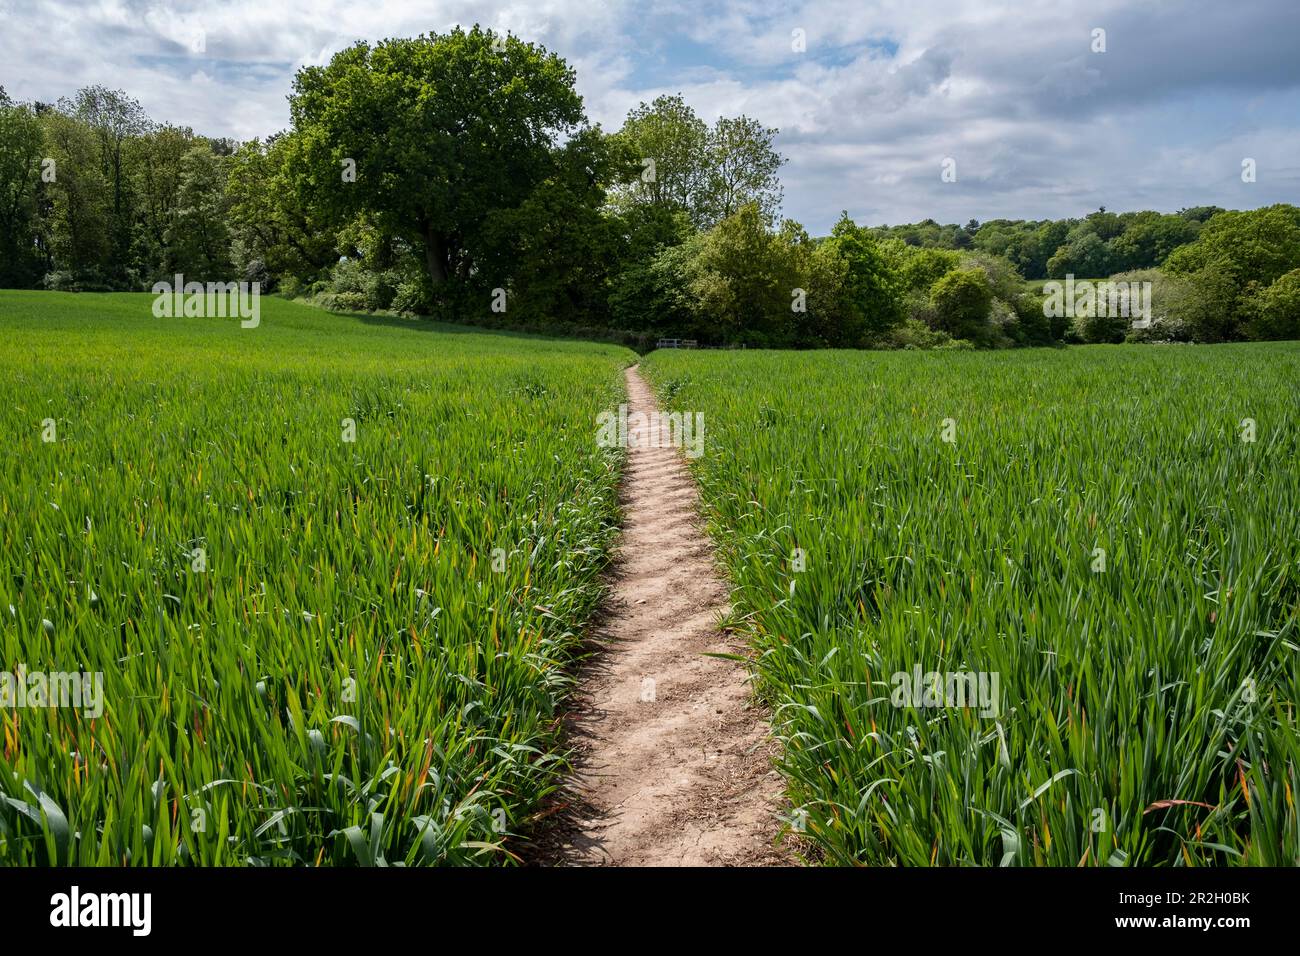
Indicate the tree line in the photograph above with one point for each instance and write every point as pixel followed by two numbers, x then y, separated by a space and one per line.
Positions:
pixel 1097 245
pixel 457 176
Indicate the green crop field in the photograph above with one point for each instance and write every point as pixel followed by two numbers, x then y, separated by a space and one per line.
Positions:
pixel 330 574
pixel 311 650
pixel 1105 543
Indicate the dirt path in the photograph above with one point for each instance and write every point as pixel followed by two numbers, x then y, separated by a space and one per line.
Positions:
pixel 672 756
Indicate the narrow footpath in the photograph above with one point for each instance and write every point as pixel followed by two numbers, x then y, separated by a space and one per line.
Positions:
pixel 673 758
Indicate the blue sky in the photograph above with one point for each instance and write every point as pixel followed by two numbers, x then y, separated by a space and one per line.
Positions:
pixel 1038 124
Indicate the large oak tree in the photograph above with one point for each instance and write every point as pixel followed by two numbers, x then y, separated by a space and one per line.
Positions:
pixel 444 130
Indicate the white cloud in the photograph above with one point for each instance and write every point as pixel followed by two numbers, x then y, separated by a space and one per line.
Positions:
pixel 1040 125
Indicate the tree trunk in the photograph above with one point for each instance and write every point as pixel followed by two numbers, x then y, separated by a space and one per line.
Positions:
pixel 435 255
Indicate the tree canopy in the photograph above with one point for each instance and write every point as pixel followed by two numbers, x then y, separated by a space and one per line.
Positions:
pixel 707 172
pixel 430 136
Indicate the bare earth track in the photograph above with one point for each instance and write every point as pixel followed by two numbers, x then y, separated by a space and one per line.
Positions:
pixel 673 759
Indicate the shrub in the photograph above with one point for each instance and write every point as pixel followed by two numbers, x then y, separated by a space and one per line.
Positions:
pixel 1172 298
pixel 1102 328
pixel 1032 325
pixel 380 288
pixel 1210 307
pixel 345 302
pixel 918 308
pixel 961 302
pixel 1275 311
pixel 1003 323
pixel 87 280
pixel 413 296
pixel 348 275
pixel 915 334
pixel 255 271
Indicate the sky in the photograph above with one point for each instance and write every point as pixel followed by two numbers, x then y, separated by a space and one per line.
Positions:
pixel 874 99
